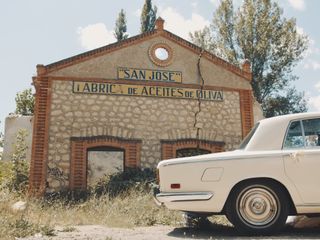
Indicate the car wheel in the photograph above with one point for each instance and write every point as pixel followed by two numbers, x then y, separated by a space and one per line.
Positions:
pixel 257 208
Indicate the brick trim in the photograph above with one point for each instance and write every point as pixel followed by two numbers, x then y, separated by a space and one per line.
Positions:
pixel 39 154
pixel 169 147
pixel 246 108
pixel 79 160
pixel 138 39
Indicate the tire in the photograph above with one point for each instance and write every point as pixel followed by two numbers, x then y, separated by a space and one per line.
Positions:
pixel 258 208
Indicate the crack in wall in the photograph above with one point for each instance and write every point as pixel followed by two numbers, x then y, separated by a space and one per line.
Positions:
pixel 196 115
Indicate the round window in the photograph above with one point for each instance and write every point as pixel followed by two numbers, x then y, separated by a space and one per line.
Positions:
pixel 161 54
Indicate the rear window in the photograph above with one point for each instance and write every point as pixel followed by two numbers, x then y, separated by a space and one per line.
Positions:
pixel 247 139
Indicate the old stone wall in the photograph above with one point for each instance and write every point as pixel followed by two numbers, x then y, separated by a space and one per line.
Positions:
pixel 146 118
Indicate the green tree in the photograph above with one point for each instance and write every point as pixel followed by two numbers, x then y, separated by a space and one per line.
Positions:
pixel 274 106
pixel 25 102
pixel 257 31
pixel 121 26
pixel 148 16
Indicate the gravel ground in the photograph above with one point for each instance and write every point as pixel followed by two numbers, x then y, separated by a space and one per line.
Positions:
pixel 96 232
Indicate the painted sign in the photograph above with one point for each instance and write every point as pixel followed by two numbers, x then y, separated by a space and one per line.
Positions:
pixel 149 75
pixel 146 91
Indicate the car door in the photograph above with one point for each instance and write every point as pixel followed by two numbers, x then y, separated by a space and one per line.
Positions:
pixel 302 163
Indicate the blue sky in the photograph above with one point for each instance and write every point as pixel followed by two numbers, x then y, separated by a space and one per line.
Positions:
pixel 41 32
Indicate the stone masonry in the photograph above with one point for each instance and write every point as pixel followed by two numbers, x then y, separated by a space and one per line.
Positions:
pixel 147 128
pixel 146 118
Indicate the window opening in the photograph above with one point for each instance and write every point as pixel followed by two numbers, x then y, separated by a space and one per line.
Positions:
pixel 103 161
pixel 188 152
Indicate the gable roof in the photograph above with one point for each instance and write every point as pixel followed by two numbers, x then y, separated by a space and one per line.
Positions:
pixel 159 31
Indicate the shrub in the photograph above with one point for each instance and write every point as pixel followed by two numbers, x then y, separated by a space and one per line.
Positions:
pixel 6 173
pixel 131 178
pixel 15 173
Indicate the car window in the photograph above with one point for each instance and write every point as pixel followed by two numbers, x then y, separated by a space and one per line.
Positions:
pixel 312 132
pixel 294 138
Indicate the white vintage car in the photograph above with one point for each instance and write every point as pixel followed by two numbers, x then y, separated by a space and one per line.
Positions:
pixel 275 173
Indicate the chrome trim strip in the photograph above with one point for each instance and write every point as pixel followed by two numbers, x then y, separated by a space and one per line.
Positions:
pixel 184 196
pixel 227 158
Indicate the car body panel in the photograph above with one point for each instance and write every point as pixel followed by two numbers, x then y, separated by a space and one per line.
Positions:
pixel 191 179
pixel 262 158
pixel 296 167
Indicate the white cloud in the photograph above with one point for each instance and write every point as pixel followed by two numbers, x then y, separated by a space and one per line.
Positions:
pixel 137 12
pixel 194 4
pixel 317 86
pixel 95 35
pixel 312 64
pixel 215 2
pixel 297 4
pixel 315 65
pixel 314 101
pixel 181 26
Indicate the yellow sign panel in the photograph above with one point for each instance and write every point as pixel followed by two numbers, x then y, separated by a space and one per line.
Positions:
pixel 146 91
pixel 149 75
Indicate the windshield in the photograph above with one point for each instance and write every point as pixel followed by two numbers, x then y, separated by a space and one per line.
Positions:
pixel 246 140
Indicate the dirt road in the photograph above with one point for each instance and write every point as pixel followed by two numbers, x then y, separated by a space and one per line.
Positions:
pixel 89 232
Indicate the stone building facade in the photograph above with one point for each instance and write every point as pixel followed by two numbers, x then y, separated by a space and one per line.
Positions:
pixel 150 97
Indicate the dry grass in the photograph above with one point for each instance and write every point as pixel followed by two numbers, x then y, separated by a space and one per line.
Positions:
pixel 135 208
pixel 131 205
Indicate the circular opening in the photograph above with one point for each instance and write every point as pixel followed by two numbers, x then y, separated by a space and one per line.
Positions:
pixel 161 53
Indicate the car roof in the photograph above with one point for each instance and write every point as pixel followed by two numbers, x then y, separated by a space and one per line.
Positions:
pixel 271 131
pixel 290 117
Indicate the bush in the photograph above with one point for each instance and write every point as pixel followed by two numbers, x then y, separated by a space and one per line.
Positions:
pixel 131 178
pixel 15 173
pixel 6 173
